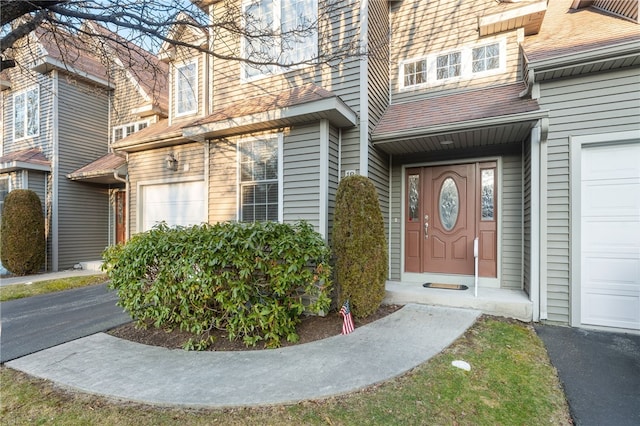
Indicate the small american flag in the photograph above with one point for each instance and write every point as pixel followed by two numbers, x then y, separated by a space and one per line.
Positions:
pixel 347 324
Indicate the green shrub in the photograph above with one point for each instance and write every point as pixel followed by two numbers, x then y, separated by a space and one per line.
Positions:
pixel 359 245
pixel 252 280
pixel 22 240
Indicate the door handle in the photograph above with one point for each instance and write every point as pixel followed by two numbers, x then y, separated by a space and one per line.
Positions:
pixel 426 226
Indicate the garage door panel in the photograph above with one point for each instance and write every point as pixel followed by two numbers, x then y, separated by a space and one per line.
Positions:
pixel 613 198
pixel 611 310
pixel 610 236
pixel 611 162
pixel 616 269
pixel 176 204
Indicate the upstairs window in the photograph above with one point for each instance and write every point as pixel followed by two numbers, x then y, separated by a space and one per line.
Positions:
pixel 120 132
pixel 26 113
pixel 415 72
pixel 449 66
pixel 279 33
pixel 186 88
pixel 466 62
pixel 486 58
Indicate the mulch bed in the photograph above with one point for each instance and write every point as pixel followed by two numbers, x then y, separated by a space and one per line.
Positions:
pixel 310 329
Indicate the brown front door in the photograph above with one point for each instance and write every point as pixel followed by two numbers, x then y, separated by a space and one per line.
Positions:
pixel 447 208
pixel 121 217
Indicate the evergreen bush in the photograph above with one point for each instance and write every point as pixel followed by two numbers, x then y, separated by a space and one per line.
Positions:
pixel 252 280
pixel 359 245
pixel 22 239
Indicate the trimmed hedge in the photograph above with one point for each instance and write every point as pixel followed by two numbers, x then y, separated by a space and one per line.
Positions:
pixel 252 280
pixel 22 239
pixel 359 245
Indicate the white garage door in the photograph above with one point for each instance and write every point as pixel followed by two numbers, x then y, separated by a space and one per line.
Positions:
pixel 610 236
pixel 175 203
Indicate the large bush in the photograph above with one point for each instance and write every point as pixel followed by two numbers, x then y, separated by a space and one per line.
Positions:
pixel 252 280
pixel 22 239
pixel 359 245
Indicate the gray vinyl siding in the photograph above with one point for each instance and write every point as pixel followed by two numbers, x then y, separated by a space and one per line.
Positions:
pixel 592 104
pixel 39 183
pixel 511 240
pixel 83 209
pixel 395 223
pixel 223 181
pixel 333 175
pixel 527 206
pixel 149 166
pixel 301 175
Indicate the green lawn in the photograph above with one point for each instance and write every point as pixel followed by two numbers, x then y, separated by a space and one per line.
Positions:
pixel 511 382
pixel 18 291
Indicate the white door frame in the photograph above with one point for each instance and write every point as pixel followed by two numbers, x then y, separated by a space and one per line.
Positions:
pixel 576 143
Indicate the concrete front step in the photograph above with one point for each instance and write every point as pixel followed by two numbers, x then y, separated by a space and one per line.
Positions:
pixel 491 301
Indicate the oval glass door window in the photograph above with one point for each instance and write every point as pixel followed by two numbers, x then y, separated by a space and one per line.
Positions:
pixel 449 204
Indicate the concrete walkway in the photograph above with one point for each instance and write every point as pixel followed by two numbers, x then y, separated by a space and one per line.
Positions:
pixel 104 365
pixel 28 279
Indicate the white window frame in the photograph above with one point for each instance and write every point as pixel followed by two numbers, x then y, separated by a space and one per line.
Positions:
pixel 466 64
pixel 24 93
pixel 137 125
pixel 177 72
pixel 308 44
pixel 274 137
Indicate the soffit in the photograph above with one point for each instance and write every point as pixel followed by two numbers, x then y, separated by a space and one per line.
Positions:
pixel 487 117
pixel 513 16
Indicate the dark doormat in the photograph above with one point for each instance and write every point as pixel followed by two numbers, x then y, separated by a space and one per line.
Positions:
pixel 446 286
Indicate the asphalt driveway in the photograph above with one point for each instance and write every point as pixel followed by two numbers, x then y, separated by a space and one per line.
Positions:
pixel 600 373
pixel 39 322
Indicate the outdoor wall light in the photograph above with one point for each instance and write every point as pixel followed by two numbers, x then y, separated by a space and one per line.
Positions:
pixel 171 162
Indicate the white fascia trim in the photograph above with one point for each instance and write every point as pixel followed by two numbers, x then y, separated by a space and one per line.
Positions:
pixel 323 214
pixel 576 143
pixel 364 90
pixel 12 166
pixel 593 56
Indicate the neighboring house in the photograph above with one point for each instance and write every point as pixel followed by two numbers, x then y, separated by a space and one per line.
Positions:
pixel 476 120
pixel 60 109
pixel 55 119
pixel 139 99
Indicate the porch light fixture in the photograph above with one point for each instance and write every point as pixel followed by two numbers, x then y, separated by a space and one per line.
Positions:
pixel 171 162
pixel 446 143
